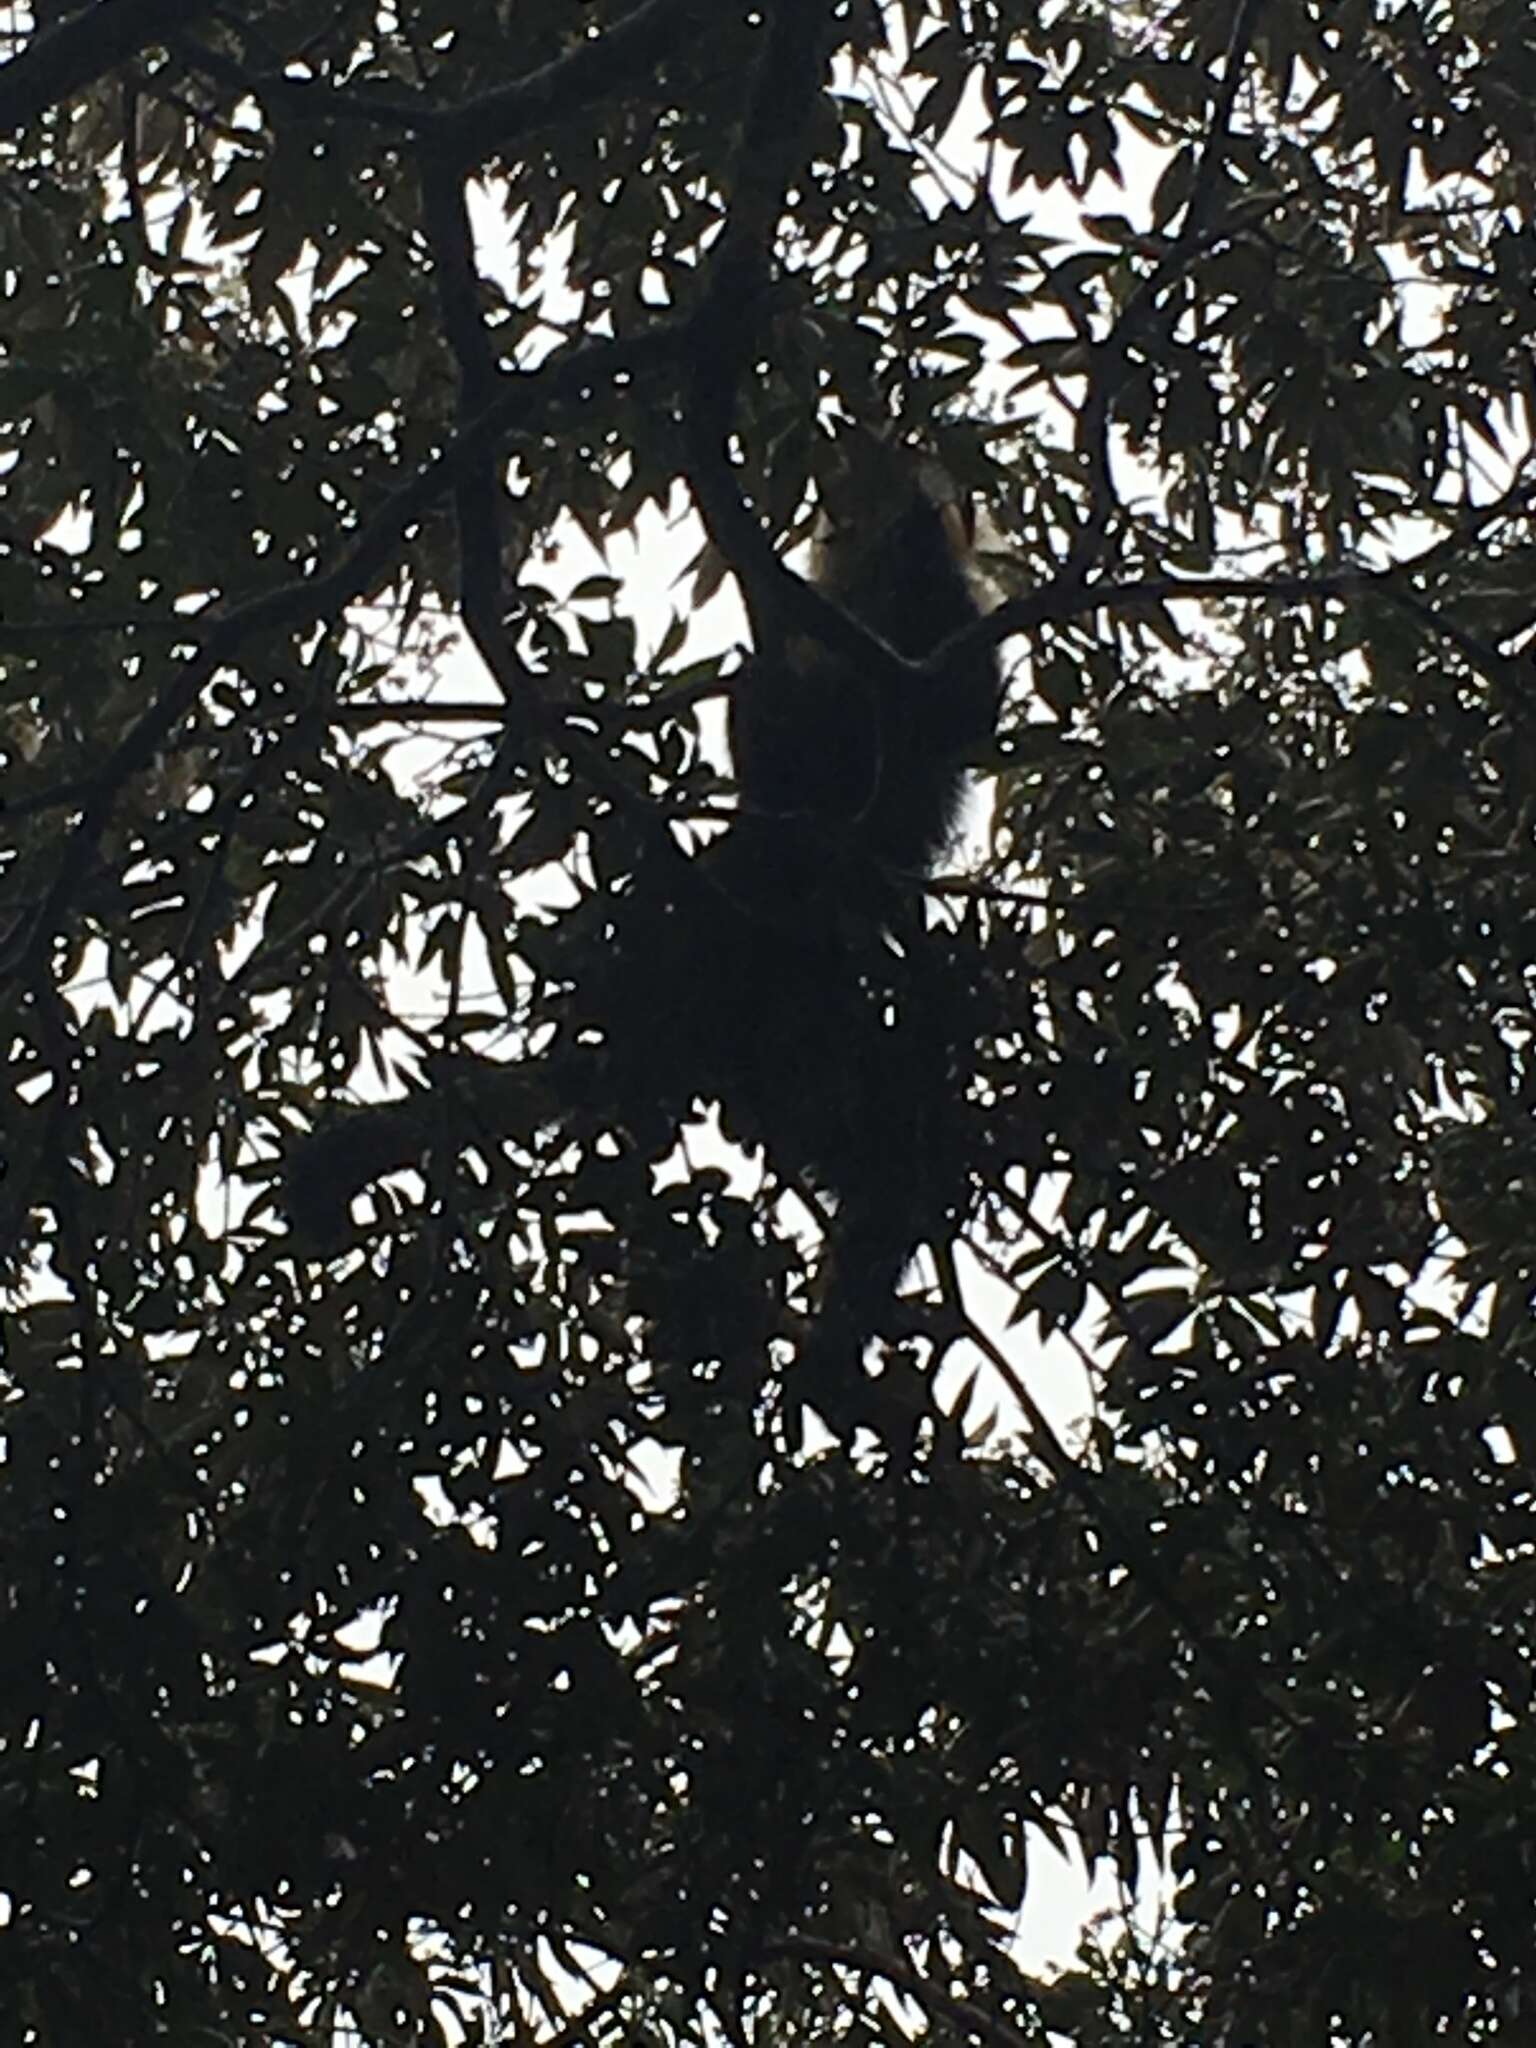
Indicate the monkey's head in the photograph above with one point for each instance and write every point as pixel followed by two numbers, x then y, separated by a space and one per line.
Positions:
pixel 895 545
pixel 875 758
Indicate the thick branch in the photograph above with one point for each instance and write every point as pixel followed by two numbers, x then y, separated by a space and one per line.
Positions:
pixel 635 44
pixel 477 490
pixel 784 89
pixel 477 127
pixel 84 48
pixel 572 375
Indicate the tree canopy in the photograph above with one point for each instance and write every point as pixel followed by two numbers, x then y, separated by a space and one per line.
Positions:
pixel 480 1609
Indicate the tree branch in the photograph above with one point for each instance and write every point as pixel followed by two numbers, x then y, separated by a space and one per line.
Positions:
pixel 477 491
pixel 1202 190
pixel 476 127
pixel 636 43
pixel 82 49
pixel 1063 598
pixel 970 2018
pixel 572 375
pixel 1110 359
pixel 784 88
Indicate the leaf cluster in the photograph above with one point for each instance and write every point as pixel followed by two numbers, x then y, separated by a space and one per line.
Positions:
pixel 478 1621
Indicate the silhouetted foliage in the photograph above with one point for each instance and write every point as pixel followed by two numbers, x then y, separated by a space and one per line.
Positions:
pixel 462 1578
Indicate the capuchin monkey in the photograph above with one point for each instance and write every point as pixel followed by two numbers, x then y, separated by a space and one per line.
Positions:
pixel 850 1023
pixel 784 970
